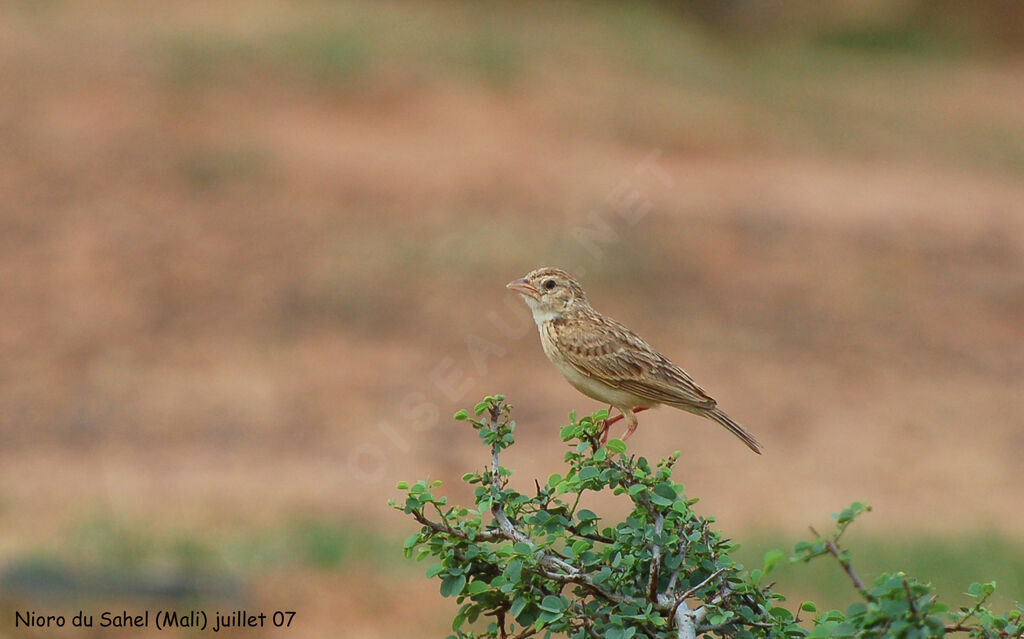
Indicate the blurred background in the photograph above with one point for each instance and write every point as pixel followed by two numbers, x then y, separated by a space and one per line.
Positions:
pixel 253 257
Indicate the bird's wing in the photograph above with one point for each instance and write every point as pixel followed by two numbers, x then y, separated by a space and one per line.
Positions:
pixel 606 350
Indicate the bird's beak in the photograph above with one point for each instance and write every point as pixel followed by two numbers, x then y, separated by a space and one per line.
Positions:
pixel 523 287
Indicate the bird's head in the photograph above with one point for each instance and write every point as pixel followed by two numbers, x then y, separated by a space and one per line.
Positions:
pixel 549 292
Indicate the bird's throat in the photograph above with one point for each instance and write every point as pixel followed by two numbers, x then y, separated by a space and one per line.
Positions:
pixel 542 315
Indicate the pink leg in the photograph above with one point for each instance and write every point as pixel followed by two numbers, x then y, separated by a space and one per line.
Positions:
pixel 605 425
pixel 631 421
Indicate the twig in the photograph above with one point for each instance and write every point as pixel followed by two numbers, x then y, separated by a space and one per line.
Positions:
pixel 575 529
pixel 833 550
pixel 910 599
pixel 960 626
pixel 652 579
pixel 527 632
pixel 497 509
pixel 689 592
pixel 572 511
pixel 675 573
pixel 499 616
pixel 579 578
pixel 483 535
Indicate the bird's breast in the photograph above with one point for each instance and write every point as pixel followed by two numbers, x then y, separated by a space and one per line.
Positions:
pixel 588 385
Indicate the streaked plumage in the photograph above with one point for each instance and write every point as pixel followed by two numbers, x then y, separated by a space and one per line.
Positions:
pixel 608 362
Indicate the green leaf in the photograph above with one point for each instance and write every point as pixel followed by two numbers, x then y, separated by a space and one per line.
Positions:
pixel 477 587
pixel 616 445
pixel 434 570
pixel 856 609
pixel 658 500
pixel 402 485
pixel 552 603
pixel 809 606
pixel 518 605
pixel 462 415
pixel 452 585
pixel 458 621
pixel 546 617
pixel 771 558
pixel 666 491
pixel 781 613
pixel 514 570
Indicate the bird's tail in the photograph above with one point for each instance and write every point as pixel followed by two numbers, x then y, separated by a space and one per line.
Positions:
pixel 734 428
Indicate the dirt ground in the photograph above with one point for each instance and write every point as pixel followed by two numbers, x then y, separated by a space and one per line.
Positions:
pixel 251 262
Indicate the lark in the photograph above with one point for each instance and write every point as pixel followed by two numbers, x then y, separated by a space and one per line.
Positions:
pixel 606 361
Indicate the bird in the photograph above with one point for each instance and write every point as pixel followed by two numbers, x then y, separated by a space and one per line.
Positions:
pixel 608 362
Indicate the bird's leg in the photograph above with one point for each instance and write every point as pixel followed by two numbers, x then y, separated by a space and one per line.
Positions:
pixel 631 421
pixel 606 424
pixel 611 420
pixel 630 424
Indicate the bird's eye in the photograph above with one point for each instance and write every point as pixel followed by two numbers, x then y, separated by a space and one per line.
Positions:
pixel 549 284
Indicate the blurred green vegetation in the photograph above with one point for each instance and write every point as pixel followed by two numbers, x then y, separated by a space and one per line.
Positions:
pixel 824 81
pixel 104 555
pixel 297 542
pixel 951 563
pixel 124 552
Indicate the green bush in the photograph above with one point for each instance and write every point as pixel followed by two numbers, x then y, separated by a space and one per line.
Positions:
pixel 524 565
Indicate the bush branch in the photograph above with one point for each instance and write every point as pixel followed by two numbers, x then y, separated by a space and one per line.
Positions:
pixel 833 549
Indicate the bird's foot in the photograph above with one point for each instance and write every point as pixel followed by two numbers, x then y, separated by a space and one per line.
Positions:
pixel 607 423
pixel 633 423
